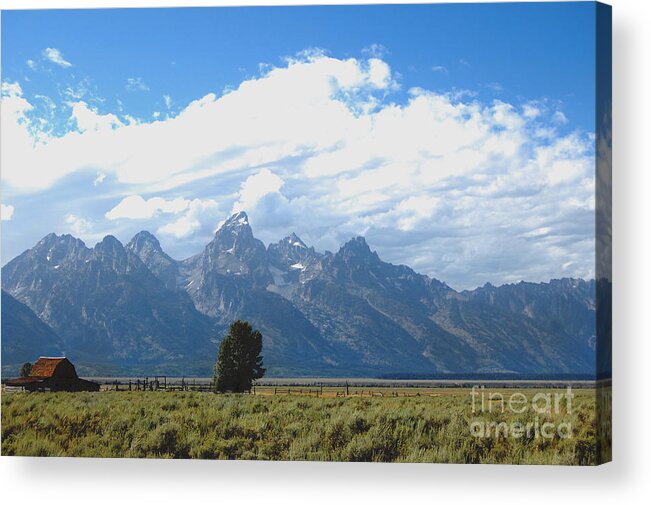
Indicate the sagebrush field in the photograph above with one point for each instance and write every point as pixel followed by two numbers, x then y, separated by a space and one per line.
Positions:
pixel 432 428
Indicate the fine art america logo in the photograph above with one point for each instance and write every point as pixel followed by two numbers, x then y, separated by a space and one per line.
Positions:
pixel 544 414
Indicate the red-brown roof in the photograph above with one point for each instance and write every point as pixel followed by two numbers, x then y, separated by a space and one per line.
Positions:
pixel 46 367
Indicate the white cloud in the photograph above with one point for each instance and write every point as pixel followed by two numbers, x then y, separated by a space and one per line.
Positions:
pixel 6 212
pixel 440 181
pixel 11 89
pixel 136 84
pixel 379 73
pixel 189 216
pixel 54 55
pixel 168 101
pixel 414 210
pixel 268 119
pixel 31 64
pixel 180 228
pixel 88 119
pixel 199 213
pixel 440 68
pixel 136 207
pixel 255 187
pixel 531 110
pixel 559 117
pixel 375 51
pixel 78 225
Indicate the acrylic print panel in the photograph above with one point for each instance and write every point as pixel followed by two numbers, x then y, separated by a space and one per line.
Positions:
pixel 351 233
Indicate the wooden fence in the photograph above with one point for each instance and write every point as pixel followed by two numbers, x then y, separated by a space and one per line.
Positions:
pixel 162 383
pixel 159 383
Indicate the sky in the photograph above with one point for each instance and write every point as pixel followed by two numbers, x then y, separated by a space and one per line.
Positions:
pixel 458 139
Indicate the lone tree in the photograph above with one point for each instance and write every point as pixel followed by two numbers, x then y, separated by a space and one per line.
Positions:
pixel 25 369
pixel 239 362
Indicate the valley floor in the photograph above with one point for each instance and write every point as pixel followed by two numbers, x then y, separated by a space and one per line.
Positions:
pixel 445 425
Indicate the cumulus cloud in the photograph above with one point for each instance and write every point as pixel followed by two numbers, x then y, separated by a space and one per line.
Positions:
pixel 78 225
pixel 6 212
pixel 379 73
pixel 136 207
pixel 199 213
pixel 287 112
pixel 256 187
pixel 87 118
pixel 188 216
pixel 54 55
pixel 455 187
pixel 530 110
pixel 271 212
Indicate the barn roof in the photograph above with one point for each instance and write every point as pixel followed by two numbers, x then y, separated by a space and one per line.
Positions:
pixel 45 367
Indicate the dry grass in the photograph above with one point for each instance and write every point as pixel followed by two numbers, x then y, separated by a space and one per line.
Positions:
pixel 434 427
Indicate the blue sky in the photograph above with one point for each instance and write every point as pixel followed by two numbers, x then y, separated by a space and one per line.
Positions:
pixel 177 117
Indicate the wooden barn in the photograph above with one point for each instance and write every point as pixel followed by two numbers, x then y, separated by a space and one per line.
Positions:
pixel 53 374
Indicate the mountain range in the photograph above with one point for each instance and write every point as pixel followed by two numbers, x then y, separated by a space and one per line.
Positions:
pixel 133 309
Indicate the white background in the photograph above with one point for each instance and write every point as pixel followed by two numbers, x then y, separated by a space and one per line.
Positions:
pixel 627 479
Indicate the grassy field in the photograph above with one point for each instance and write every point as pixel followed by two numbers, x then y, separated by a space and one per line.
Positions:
pixel 434 427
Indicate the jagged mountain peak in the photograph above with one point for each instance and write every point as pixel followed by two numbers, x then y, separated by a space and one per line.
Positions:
pixel 109 242
pixel 144 241
pixel 357 242
pixel 146 246
pixel 357 247
pixel 237 220
pixel 53 239
pixel 235 229
pixel 110 249
pixel 291 241
pixel 49 239
pixel 234 251
pixel 294 240
pixel 54 249
pixel 291 254
pixel 347 312
pixel 144 236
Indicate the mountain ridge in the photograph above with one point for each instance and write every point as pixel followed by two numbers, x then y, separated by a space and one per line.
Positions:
pixel 347 312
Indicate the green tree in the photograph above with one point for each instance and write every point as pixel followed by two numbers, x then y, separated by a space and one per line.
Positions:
pixel 239 362
pixel 25 369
